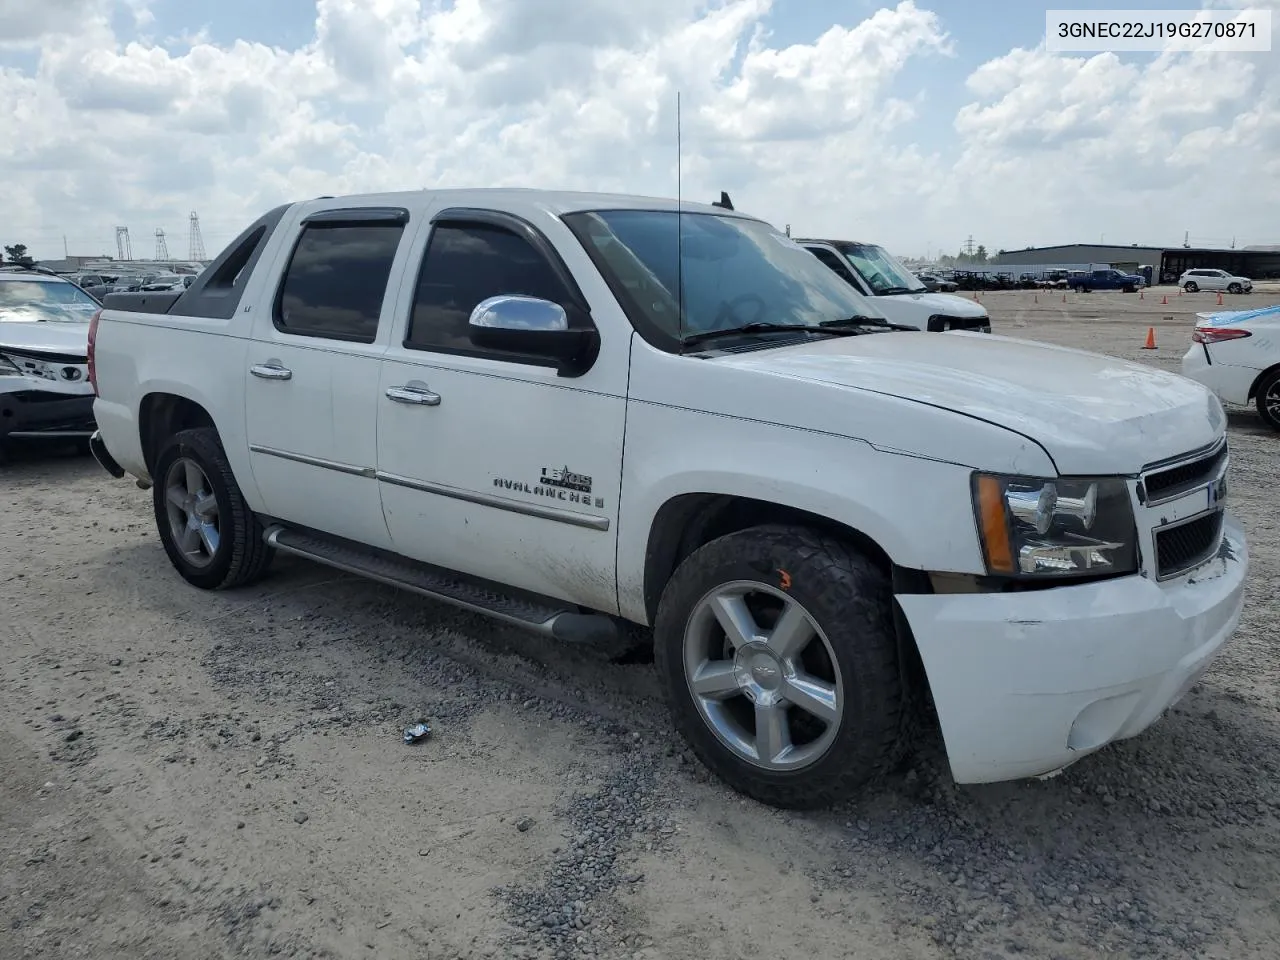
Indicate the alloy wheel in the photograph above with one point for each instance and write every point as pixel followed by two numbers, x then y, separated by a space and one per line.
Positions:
pixel 193 512
pixel 763 675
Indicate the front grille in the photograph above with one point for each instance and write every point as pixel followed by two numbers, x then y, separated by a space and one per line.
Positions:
pixel 939 323
pixel 1185 546
pixel 1165 484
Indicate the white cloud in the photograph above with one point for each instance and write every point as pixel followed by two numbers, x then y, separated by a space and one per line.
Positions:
pixel 111 129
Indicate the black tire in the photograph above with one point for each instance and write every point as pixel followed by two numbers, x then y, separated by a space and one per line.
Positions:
pixel 241 556
pixel 1235 288
pixel 851 600
pixel 1266 385
pixel 1191 286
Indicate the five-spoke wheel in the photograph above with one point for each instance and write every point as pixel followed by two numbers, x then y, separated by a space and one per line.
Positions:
pixel 780 662
pixel 193 511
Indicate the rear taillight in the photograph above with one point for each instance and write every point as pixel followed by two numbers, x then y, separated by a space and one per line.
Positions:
pixel 93 338
pixel 1218 334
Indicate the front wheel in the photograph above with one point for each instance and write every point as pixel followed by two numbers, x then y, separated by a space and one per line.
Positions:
pixel 1268 399
pixel 1235 288
pixel 778 657
pixel 207 529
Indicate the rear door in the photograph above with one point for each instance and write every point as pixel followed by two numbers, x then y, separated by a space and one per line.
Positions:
pixel 311 401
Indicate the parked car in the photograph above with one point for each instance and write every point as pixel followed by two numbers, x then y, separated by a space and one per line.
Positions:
pixel 1236 354
pixel 1206 279
pixel 591 414
pixel 897 293
pixel 45 392
pixel 936 284
pixel 1106 279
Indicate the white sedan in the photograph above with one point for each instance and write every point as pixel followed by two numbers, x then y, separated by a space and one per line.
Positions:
pixel 1206 279
pixel 1236 354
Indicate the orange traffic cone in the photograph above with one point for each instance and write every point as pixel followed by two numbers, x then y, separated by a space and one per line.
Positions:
pixel 1179 291
pixel 1151 339
pixel 1064 298
pixel 1219 298
pixel 1140 296
pixel 1037 298
pixel 1165 299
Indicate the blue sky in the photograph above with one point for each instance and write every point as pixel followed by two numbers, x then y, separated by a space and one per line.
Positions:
pixel 915 125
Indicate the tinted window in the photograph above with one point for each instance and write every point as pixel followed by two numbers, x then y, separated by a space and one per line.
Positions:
pixel 832 261
pixel 465 264
pixel 337 278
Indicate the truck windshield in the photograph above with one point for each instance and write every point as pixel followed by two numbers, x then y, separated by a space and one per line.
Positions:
pixel 734 272
pixel 48 300
pixel 884 273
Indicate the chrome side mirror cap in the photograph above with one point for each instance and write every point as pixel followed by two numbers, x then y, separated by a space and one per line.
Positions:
pixel 519 312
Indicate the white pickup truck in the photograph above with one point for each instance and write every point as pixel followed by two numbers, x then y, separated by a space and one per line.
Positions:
pixel 586 413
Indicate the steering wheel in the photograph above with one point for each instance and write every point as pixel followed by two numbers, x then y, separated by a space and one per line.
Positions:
pixel 728 307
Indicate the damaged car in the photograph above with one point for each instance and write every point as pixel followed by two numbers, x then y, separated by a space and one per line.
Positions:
pixel 45 390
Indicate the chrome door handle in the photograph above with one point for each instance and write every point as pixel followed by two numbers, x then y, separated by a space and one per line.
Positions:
pixel 416 395
pixel 271 371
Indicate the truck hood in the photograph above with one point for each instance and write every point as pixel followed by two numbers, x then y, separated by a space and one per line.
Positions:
pixel 1090 413
pixel 61 338
pixel 931 303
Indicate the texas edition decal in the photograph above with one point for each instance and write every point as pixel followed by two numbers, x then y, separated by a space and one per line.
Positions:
pixel 556 483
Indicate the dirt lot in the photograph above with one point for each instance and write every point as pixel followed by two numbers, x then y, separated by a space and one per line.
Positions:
pixel 222 775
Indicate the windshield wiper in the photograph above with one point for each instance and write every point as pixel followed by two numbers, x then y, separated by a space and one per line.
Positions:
pixel 852 324
pixel 891 291
pixel 760 327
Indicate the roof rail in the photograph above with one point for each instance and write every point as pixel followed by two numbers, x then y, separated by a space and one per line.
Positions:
pixel 24 268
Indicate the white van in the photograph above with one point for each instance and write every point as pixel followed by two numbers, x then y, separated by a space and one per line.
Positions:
pixel 898 293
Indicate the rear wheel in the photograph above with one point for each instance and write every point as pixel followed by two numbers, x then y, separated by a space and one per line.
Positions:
pixel 1268 399
pixel 1190 286
pixel 208 531
pixel 778 657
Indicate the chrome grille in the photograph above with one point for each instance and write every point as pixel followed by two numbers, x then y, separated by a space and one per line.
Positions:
pixel 1183 546
pixel 1166 484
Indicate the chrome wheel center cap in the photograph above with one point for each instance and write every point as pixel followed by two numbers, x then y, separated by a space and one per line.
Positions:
pixel 758 671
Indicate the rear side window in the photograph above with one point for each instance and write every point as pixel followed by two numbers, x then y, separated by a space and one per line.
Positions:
pixel 464 265
pixel 336 280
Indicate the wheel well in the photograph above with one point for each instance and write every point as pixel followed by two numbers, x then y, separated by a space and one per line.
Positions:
pixel 685 523
pixel 161 415
pixel 1253 387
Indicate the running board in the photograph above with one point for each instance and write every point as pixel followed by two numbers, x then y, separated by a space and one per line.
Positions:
pixel 541 615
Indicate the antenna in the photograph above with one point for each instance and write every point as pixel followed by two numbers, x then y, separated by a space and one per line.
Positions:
pixel 679 224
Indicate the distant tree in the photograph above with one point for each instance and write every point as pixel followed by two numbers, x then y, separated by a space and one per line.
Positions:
pixel 981 254
pixel 17 253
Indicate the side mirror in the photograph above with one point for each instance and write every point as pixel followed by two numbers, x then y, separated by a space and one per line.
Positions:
pixel 514 323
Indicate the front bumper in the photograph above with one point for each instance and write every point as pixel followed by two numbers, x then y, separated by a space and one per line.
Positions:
pixel 1027 683
pixel 45 415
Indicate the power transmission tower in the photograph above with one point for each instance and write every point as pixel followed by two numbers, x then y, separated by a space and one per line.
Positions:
pixel 195 245
pixel 968 246
pixel 124 249
pixel 162 248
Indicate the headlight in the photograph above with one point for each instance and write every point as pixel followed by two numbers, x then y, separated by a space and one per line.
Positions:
pixel 1064 527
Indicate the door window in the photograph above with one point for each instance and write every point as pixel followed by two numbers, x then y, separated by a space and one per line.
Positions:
pixel 832 261
pixel 336 280
pixel 465 264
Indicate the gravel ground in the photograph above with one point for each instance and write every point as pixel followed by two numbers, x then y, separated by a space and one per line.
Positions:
pixel 222 775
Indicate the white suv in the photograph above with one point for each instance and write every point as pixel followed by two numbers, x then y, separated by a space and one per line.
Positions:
pixel 1207 279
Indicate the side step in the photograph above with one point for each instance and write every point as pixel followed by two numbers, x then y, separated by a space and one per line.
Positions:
pixel 542 615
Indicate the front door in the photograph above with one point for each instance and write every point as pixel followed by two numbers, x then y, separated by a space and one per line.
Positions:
pixel 490 464
pixel 311 401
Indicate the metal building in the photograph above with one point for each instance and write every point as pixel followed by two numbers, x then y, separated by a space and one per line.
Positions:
pixel 1169 262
